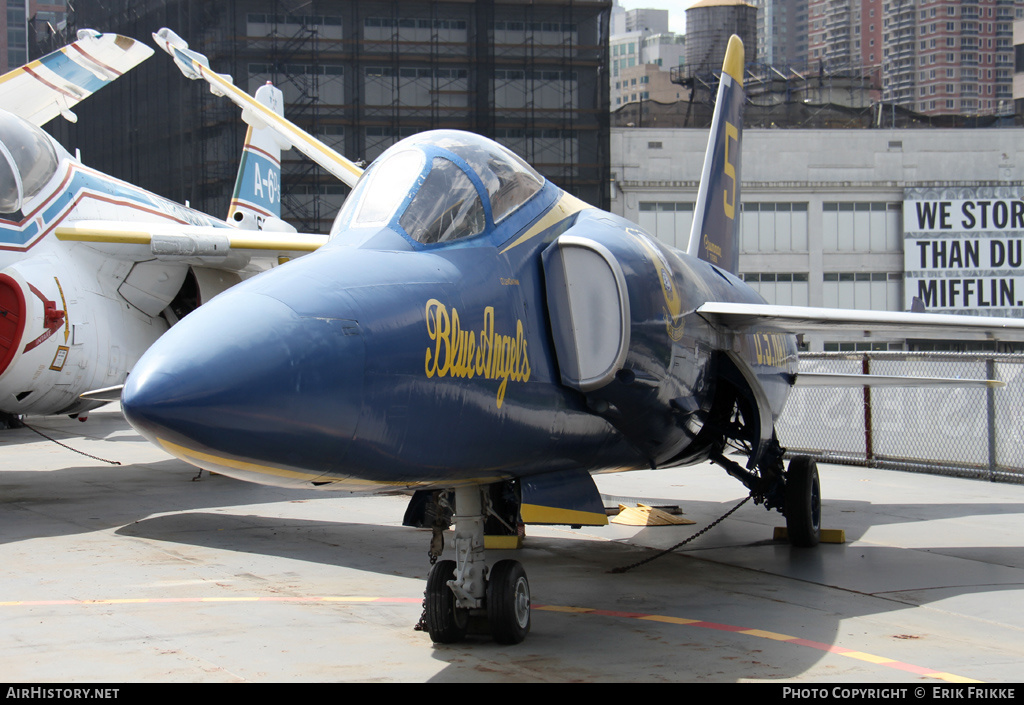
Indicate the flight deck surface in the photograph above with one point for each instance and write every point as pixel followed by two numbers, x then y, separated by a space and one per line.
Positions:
pixel 137 573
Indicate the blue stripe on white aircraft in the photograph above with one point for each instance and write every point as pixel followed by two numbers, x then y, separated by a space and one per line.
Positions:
pixel 475 333
pixel 93 269
pixel 256 201
pixel 45 88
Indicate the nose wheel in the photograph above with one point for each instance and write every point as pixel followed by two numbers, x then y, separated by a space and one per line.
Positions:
pixel 462 589
pixel 447 623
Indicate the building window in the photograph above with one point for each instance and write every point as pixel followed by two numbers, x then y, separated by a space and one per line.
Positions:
pixel 773 227
pixel 669 221
pixel 865 291
pixel 861 227
pixel 863 347
pixel 781 288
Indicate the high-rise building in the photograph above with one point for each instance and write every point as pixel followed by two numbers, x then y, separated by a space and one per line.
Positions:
pixel 936 57
pixel 834 33
pixel 951 57
pixel 642 52
pixel 664 49
pixel 26 25
pixel 14 32
pixel 782 32
pixel 1018 66
pixel 359 74
pixel 643 20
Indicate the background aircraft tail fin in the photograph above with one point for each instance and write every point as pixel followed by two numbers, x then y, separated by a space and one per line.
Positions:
pixel 256 201
pixel 714 237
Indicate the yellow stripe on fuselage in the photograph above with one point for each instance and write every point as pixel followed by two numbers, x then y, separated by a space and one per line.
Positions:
pixel 566 206
pixel 242 469
pixel 208 460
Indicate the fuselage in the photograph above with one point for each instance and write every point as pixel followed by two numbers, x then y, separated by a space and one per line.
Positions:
pixel 380 361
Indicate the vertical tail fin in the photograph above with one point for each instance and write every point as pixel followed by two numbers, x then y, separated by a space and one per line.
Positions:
pixel 714 237
pixel 256 200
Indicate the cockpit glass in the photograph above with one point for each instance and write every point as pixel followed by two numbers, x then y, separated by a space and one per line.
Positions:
pixel 10 185
pixel 509 181
pixel 439 175
pixel 446 207
pixel 27 161
pixel 386 186
pixel 515 185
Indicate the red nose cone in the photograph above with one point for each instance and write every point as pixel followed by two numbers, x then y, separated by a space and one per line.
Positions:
pixel 12 320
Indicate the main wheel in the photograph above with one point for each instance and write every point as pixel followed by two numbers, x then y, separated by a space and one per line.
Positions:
pixel 803 502
pixel 508 602
pixel 447 623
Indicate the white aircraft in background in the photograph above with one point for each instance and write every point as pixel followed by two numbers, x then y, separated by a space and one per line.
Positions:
pixel 93 269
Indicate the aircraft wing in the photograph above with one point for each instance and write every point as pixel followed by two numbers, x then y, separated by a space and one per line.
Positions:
pixel 45 88
pixel 225 248
pixel 853 323
pixel 196 66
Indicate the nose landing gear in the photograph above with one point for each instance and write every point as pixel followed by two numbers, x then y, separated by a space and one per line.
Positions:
pixel 460 590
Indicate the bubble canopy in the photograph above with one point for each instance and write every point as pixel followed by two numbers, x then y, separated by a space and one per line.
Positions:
pixel 28 159
pixel 440 186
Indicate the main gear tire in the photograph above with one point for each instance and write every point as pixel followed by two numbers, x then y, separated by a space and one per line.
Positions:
pixel 803 502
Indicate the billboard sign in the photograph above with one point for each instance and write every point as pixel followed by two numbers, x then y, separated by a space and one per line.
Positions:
pixel 963 251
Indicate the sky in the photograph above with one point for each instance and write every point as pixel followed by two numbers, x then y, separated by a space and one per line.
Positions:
pixel 676 10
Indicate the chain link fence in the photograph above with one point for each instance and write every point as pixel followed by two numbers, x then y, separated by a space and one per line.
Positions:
pixel 967 432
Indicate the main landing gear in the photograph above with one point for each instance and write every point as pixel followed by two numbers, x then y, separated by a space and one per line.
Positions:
pixel 463 590
pixel 803 502
pixel 796 492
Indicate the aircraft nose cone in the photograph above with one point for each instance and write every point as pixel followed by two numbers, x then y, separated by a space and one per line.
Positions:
pixel 245 384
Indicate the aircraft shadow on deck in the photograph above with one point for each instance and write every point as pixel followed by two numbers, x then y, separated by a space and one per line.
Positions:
pixel 728 586
pixel 68 501
pixel 734 558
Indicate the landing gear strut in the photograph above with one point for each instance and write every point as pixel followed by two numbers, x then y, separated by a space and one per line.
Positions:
pixel 460 589
pixel 796 493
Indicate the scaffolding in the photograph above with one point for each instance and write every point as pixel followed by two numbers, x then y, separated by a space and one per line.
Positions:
pixel 151 127
pixel 360 76
pixel 821 97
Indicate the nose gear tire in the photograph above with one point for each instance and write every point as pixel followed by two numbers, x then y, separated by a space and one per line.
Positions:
pixel 446 622
pixel 508 602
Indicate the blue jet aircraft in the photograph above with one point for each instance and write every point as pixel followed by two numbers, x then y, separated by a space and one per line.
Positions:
pixel 475 334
